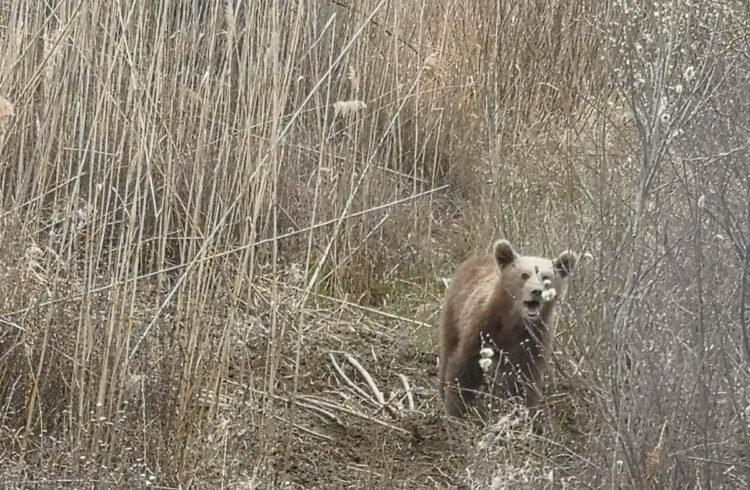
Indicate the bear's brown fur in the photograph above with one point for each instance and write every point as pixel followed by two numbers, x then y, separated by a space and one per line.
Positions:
pixel 496 301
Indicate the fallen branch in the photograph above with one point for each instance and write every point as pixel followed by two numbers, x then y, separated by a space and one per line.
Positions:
pixel 351 383
pixel 371 383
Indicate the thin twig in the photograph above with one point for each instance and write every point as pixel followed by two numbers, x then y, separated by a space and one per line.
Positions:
pixel 377 24
pixel 363 308
pixel 305 429
pixel 317 410
pixel 9 323
pixel 721 463
pixel 360 415
pixel 407 388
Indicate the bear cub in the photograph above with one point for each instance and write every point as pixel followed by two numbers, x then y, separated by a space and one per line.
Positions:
pixel 507 303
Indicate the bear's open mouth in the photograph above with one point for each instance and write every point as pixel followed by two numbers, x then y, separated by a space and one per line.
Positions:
pixel 532 309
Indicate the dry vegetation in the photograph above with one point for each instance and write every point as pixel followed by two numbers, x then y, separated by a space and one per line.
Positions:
pixel 205 207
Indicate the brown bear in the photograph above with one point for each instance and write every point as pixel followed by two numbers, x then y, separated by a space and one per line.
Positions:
pixel 504 305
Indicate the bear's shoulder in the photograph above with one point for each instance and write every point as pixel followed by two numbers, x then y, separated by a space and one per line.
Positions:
pixel 474 283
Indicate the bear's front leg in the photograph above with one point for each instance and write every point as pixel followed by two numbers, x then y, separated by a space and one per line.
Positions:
pixel 463 377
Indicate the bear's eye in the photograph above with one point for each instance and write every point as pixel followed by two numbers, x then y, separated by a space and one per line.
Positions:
pixel 525 276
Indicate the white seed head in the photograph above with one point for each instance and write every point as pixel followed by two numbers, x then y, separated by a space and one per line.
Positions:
pixel 547 283
pixel 486 353
pixel 485 363
pixel 549 295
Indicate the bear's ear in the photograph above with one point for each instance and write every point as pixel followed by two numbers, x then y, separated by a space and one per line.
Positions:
pixel 565 263
pixel 503 253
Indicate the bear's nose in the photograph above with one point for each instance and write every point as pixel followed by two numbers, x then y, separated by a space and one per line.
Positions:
pixel 536 293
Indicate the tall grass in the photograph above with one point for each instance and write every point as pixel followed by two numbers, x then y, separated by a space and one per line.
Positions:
pixel 182 182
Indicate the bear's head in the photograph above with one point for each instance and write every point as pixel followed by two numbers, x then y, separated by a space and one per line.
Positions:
pixel 533 283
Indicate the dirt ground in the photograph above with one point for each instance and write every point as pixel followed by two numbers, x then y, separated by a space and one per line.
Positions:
pixel 340 439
